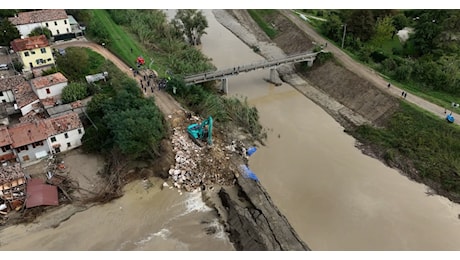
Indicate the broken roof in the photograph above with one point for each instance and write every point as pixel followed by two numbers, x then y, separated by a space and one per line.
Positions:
pixel 24 94
pixel 10 173
pixel 64 123
pixel 27 133
pixel 48 81
pixel 41 194
pixel 38 16
pixel 29 43
pixel 5 138
pixel 9 82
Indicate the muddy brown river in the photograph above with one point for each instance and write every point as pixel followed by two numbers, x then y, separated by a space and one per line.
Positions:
pixel 334 196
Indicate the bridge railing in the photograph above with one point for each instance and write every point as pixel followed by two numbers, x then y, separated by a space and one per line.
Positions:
pixel 218 74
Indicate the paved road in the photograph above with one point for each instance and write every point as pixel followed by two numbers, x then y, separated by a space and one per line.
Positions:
pixel 163 100
pixel 366 72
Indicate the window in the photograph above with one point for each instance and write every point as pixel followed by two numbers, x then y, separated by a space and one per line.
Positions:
pixel 39 143
pixel 66 135
pixel 39 61
pixel 68 145
pixel 57 31
pixel 65 21
pixel 43 50
pixel 53 139
pixel 55 23
pixel 1 93
pixel 32 52
pixel 3 100
pixel 67 29
pixel 25 158
pixel 57 150
pixel 48 91
pixel 22 148
pixel 46 24
pixel 79 130
pixel 5 148
pixel 26 54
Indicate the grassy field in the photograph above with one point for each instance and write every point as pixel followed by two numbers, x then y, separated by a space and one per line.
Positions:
pixel 260 17
pixel 121 42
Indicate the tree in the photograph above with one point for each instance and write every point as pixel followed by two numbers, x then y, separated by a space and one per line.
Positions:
pixel 383 31
pixel 400 21
pixel 41 31
pixel 8 32
pixel 193 24
pixel 360 24
pixel 74 64
pixel 74 92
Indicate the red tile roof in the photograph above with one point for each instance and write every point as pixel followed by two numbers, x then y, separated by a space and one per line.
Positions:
pixel 27 133
pixel 49 80
pixel 5 138
pixel 38 16
pixel 64 123
pixel 24 94
pixel 41 194
pixel 29 43
pixel 9 82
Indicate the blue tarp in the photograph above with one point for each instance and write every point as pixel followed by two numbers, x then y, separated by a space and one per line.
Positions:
pixel 247 173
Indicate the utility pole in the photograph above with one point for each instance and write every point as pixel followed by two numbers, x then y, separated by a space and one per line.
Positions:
pixel 344 32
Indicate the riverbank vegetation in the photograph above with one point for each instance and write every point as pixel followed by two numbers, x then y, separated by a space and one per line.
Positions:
pixel 421 145
pixel 422 58
pixel 175 57
pixel 262 18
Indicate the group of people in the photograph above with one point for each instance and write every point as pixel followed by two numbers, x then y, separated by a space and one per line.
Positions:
pixel 403 94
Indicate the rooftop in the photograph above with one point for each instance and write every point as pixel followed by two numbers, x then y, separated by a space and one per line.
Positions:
pixel 27 133
pixel 5 138
pixel 24 94
pixel 64 123
pixel 38 16
pixel 49 80
pixel 9 82
pixel 30 43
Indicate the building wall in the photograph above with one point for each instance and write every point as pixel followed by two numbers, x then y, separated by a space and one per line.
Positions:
pixel 31 153
pixel 55 90
pixel 25 29
pixel 34 56
pixel 61 27
pixel 58 27
pixel 26 109
pixel 7 96
pixel 74 138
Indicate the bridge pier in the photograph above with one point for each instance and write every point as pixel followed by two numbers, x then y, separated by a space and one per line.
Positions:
pixel 274 77
pixel 224 82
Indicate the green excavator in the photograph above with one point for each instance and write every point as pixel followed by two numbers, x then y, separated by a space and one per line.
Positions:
pixel 201 132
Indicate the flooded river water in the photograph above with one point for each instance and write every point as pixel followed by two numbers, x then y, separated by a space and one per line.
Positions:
pixel 335 197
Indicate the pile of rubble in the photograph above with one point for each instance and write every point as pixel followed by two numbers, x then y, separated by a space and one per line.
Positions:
pixel 200 167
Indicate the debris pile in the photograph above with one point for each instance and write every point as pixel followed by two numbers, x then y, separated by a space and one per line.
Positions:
pixel 12 189
pixel 200 167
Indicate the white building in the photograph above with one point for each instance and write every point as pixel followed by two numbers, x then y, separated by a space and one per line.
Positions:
pixel 56 20
pixel 65 133
pixel 49 88
pixel 26 99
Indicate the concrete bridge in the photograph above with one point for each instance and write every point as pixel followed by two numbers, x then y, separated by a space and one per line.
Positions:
pixel 222 75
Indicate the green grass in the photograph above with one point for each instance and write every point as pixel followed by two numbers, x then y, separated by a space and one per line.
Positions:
pixel 260 16
pixel 121 42
pixel 415 137
pixel 391 44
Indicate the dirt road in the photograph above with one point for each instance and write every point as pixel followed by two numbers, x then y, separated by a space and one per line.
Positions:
pixel 163 100
pixel 363 71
